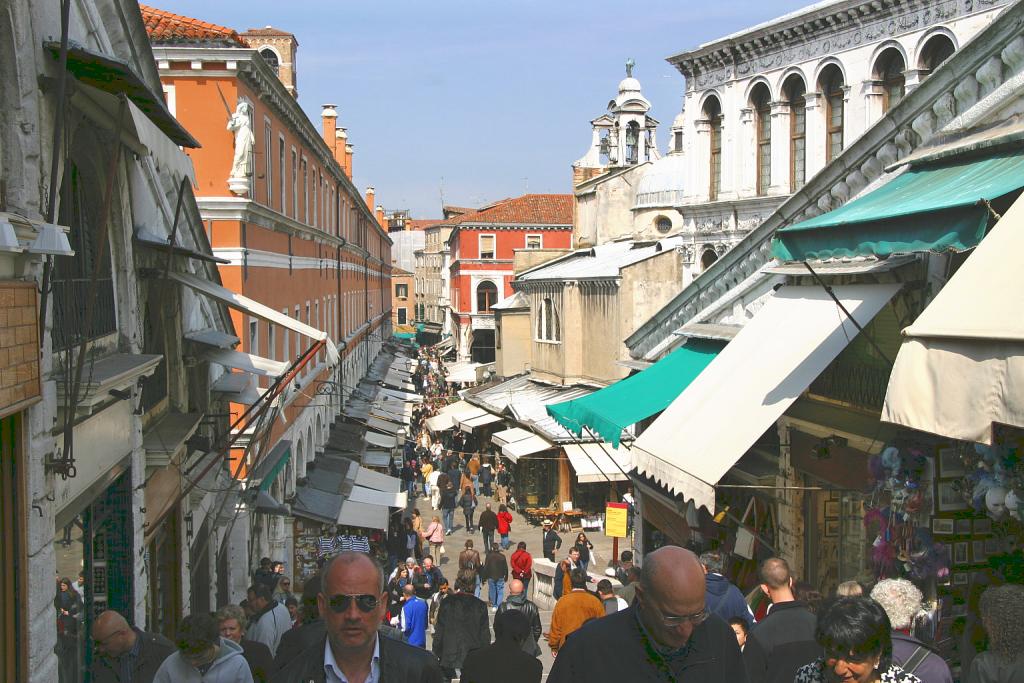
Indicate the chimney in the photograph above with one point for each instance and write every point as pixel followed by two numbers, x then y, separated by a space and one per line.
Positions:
pixel 340 140
pixel 369 197
pixel 329 118
pixel 348 159
pixel 380 217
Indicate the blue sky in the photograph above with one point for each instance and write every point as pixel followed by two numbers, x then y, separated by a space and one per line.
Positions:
pixel 495 98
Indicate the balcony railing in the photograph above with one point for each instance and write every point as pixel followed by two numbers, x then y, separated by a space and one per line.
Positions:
pixel 69 297
pixel 853 382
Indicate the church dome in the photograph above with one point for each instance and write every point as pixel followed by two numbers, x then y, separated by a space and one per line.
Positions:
pixel 629 84
pixel 680 120
pixel 662 184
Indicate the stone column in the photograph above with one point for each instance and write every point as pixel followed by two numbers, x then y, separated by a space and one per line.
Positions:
pixel 701 160
pixel 780 148
pixel 815 134
pixel 743 152
pixel 790 505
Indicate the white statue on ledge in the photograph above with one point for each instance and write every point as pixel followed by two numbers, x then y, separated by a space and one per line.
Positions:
pixel 241 164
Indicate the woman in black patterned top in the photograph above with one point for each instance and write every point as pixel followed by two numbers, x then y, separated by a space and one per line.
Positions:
pixel 856 638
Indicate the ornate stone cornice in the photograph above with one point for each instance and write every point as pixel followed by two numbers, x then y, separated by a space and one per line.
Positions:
pixel 817 33
pixel 980 78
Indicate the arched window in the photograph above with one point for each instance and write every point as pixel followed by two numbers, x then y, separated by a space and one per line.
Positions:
pixel 713 113
pixel 936 50
pixel 707 258
pixel 548 327
pixel 795 93
pixel 486 296
pixel 270 57
pixel 760 101
pixel 889 68
pixel 835 94
pixel 632 142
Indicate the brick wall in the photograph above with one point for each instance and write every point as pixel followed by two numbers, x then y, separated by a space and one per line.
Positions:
pixel 19 344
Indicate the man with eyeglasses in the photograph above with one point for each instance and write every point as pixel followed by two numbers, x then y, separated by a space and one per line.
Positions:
pixel 125 654
pixel 352 605
pixel 667 635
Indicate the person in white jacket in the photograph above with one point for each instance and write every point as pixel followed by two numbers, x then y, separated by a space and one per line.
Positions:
pixel 203 656
pixel 270 620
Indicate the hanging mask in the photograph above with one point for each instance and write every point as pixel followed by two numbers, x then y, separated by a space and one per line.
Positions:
pixel 995 502
pixel 1013 504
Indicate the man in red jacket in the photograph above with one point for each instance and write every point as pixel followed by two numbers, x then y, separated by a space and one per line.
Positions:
pixel 522 566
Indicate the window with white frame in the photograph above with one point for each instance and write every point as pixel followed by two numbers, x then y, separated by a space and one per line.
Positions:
pixel 281 171
pixel 534 241
pixel 295 185
pixel 487 247
pixel 403 316
pixel 268 158
pixel 548 326
pixel 298 341
pixel 271 342
pixel 254 337
pixel 401 291
pixel 285 337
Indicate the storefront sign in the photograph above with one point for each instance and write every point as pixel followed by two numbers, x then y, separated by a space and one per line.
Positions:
pixel 615 520
pixel 101 442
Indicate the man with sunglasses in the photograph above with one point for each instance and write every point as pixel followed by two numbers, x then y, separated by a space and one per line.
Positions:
pixel 124 653
pixel 667 635
pixel 352 605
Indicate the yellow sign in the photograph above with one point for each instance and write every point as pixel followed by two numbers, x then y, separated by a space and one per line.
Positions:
pixel 615 520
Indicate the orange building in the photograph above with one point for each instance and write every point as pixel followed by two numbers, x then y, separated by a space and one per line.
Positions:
pixel 404 294
pixel 278 204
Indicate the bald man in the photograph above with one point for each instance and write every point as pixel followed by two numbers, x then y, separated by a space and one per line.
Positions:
pixel 667 635
pixel 125 653
pixel 352 605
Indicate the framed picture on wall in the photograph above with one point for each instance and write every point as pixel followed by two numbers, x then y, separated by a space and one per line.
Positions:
pixel 942 526
pixel 983 526
pixel 960 578
pixel 978 553
pixel 963 526
pixel 831 509
pixel 960 553
pixel 993 546
pixel 950 464
pixel 947 498
pixel 831 528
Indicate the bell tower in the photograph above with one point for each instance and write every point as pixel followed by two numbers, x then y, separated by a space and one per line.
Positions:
pixel 278 49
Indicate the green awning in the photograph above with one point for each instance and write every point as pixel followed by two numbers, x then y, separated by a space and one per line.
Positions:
pixel 608 411
pixel 270 465
pixel 935 208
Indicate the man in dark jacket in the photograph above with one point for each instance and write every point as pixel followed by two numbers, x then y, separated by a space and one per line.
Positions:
pixel 461 625
pixel 667 636
pixel 309 632
pixel 504 661
pixel 784 640
pixel 495 572
pixel 124 651
pixel 724 599
pixel 428 579
pixel 517 601
pixel 552 541
pixel 352 604
pixel 488 524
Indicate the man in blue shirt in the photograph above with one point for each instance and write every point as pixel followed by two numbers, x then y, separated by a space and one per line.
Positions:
pixel 414 617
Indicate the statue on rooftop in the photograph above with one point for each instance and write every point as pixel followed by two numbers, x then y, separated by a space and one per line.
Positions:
pixel 629 67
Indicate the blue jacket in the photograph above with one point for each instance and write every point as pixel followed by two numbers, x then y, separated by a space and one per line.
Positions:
pixel 414 621
pixel 725 599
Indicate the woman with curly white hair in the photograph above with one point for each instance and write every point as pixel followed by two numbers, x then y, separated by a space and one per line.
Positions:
pixel 901 601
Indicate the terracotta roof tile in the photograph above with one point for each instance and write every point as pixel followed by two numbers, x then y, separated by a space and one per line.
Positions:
pixel 267 31
pixel 421 223
pixel 530 209
pixel 166 28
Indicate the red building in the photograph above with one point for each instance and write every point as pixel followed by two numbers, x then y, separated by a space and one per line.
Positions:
pixel 482 245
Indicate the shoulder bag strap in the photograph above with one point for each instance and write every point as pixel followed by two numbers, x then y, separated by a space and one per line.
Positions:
pixel 915 659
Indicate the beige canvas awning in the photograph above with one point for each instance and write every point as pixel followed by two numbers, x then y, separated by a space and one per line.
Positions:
pixel 598 462
pixel 961 365
pixel 747 387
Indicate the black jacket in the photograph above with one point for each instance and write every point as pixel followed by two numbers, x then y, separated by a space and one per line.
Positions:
pixel 552 542
pixel 613 648
pixel 462 626
pixel 501 662
pixel 399 663
pixel 532 614
pixel 295 640
pixel 260 661
pixel 155 649
pixel 781 643
pixel 488 521
pixel 495 567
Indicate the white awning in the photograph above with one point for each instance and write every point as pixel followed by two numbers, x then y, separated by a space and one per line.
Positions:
pixel 361 494
pixel 165 153
pixel 372 458
pixel 376 480
pixel 247 362
pixel 598 462
pixel 510 436
pixel 385 426
pixel 399 382
pixel 535 444
pixel 747 387
pixel 354 513
pixel 237 387
pixel 382 440
pixel 468 425
pixel 462 372
pixel 401 395
pixel 445 418
pixel 961 365
pixel 255 308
